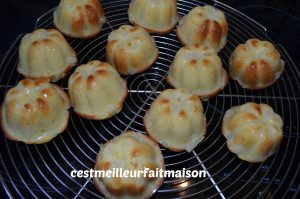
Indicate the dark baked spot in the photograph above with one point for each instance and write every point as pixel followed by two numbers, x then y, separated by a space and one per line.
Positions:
pixel 216 32
pixel 26 82
pixel 101 72
pixel 193 61
pixel 182 114
pixel 92 15
pixel 90 81
pixel 267 74
pixel 46 92
pixel 254 42
pixel 250 76
pixel 42 105
pixel 104 165
pixel 27 106
pixel 164 101
pixel 257 108
pixel 47 41
pixel 206 62
pixel 193 98
pixel 39 82
pixel 78 22
pixel 203 30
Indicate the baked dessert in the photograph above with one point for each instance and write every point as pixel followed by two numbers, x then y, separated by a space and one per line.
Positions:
pixel 255 64
pixel 97 91
pixel 176 120
pixel 205 26
pixel 34 111
pixel 79 18
pixel 130 151
pixel 198 69
pixel 158 16
pixel 130 49
pixel 45 54
pixel 253 131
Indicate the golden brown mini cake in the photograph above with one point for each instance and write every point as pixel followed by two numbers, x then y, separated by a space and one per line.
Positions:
pixel 198 69
pixel 130 151
pixel 34 111
pixel 176 120
pixel 255 64
pixel 205 26
pixel 79 18
pixel 253 131
pixel 45 54
pixel 97 91
pixel 159 16
pixel 131 49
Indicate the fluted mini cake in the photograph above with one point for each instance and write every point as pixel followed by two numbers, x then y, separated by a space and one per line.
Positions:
pixel 198 69
pixel 159 16
pixel 131 151
pixel 45 54
pixel 97 91
pixel 176 120
pixel 79 18
pixel 253 131
pixel 256 64
pixel 205 26
pixel 34 111
pixel 131 49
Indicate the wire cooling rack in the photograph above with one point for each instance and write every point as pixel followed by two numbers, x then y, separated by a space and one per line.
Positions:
pixel 43 171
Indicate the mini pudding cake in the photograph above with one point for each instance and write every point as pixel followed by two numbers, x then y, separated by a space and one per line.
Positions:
pixel 34 111
pixel 97 91
pixel 255 64
pixel 206 26
pixel 158 16
pixel 198 69
pixel 131 151
pixel 176 120
pixel 253 131
pixel 131 49
pixel 79 18
pixel 45 54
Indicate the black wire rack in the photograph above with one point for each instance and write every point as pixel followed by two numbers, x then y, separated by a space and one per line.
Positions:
pixel 43 171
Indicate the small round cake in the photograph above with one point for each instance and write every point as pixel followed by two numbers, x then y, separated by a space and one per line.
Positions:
pixel 131 49
pixel 176 120
pixel 79 18
pixel 97 91
pixel 255 64
pixel 206 26
pixel 158 16
pixel 253 131
pixel 45 54
pixel 34 111
pixel 131 152
pixel 198 69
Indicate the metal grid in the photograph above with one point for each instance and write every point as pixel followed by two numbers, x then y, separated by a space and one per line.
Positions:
pixel 44 170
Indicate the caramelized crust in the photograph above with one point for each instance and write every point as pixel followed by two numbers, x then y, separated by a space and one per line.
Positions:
pixel 131 50
pixel 79 18
pixel 130 151
pixel 253 131
pixel 198 69
pixel 45 54
pixel 97 91
pixel 205 25
pixel 34 112
pixel 255 70
pixel 158 16
pixel 176 120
